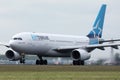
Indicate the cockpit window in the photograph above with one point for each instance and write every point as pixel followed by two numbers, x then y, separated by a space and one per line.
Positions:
pixel 17 38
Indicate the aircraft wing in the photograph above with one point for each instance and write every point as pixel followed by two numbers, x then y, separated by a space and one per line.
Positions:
pixel 4 44
pixel 88 47
pixel 110 40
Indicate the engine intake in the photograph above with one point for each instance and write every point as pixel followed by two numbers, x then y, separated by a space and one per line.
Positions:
pixel 79 54
pixel 12 55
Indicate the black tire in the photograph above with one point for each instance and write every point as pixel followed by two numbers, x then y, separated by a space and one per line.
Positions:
pixel 22 61
pixel 75 62
pixel 37 62
pixel 41 62
pixel 45 62
pixel 82 62
pixel 78 62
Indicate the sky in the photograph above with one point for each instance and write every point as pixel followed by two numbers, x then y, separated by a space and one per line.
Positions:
pixel 73 17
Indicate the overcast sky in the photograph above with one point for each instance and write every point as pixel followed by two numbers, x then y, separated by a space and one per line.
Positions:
pixel 74 17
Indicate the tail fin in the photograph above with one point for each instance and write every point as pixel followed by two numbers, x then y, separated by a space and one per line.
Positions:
pixel 98 25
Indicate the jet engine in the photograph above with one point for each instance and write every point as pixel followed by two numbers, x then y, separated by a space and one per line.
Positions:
pixel 14 56
pixel 80 54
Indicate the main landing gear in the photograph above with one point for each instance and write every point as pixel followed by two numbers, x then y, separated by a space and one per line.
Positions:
pixel 41 61
pixel 78 62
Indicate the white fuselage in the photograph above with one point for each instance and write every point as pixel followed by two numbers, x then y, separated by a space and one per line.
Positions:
pixel 43 44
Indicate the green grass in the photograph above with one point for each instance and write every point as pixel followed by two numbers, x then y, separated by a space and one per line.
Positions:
pixel 60 76
pixel 32 72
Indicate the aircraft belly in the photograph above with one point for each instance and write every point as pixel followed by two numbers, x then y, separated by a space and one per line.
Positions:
pixel 38 50
pixel 47 51
pixel 52 53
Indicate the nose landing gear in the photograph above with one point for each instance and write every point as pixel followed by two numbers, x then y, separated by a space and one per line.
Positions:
pixel 22 60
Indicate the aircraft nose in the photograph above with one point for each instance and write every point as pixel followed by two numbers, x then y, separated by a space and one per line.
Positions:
pixel 12 43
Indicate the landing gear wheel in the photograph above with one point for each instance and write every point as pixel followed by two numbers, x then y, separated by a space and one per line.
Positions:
pixel 22 61
pixel 41 62
pixel 82 62
pixel 37 62
pixel 45 62
pixel 75 62
pixel 78 62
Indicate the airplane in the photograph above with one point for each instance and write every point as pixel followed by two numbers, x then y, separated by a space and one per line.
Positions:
pixel 78 48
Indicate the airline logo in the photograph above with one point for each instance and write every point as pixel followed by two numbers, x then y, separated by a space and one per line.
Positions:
pixel 97 30
pixel 39 38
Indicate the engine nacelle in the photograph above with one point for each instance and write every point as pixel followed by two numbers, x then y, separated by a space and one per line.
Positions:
pixel 80 54
pixel 14 56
